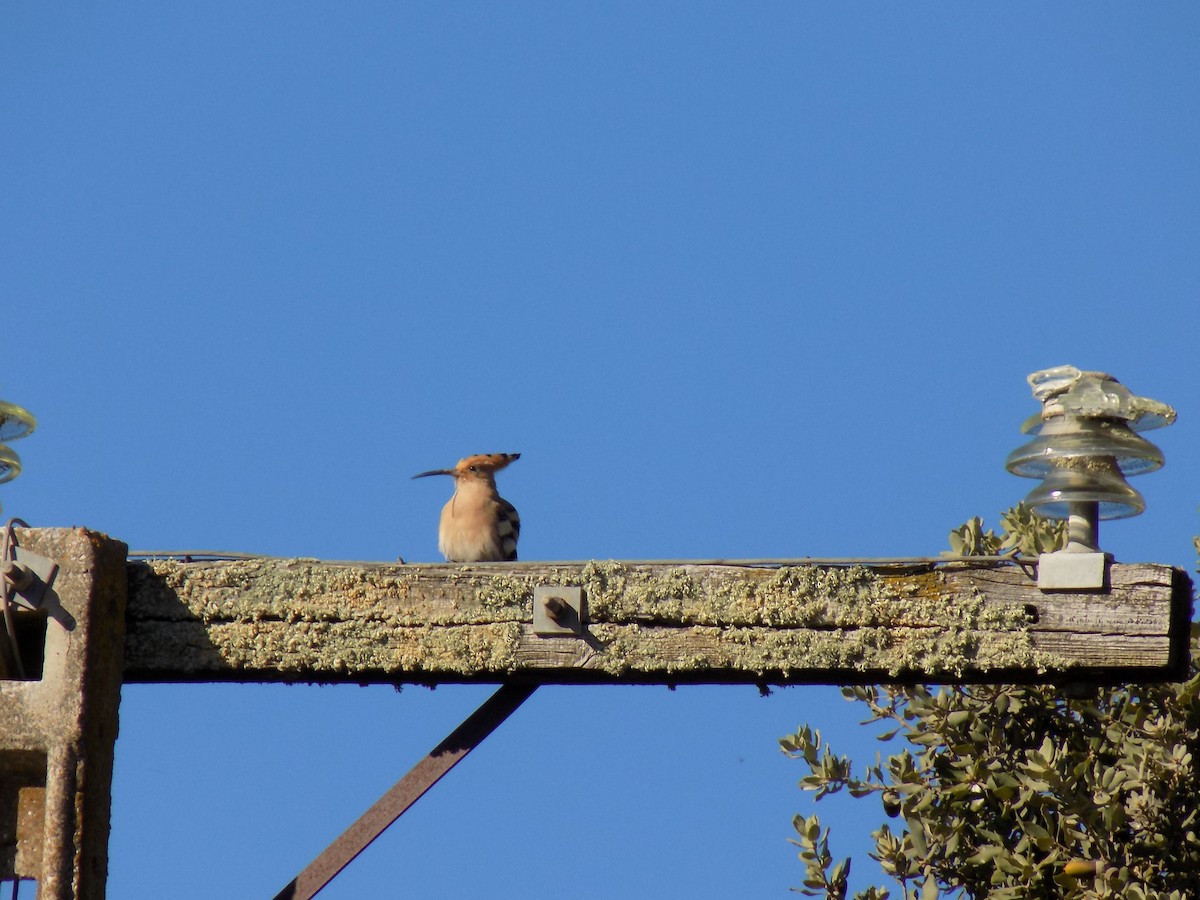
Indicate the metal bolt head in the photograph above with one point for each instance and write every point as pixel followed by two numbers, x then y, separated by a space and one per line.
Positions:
pixel 18 576
pixel 558 610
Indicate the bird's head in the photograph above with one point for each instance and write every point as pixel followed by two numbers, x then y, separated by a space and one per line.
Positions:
pixel 481 466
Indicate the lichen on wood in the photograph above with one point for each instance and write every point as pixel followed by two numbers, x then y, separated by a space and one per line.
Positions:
pixel 789 596
pixel 303 619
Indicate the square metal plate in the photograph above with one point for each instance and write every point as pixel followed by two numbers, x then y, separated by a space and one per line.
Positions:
pixel 558 610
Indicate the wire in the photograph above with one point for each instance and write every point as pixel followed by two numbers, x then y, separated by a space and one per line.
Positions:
pixel 899 561
pixel 189 555
pixel 821 561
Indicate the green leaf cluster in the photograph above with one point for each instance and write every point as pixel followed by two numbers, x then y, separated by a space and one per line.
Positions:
pixel 1012 791
pixel 1022 531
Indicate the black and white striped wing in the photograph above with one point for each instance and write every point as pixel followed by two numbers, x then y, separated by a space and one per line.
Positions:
pixel 508 530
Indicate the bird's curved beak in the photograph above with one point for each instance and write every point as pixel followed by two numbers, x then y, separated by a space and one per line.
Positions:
pixel 435 472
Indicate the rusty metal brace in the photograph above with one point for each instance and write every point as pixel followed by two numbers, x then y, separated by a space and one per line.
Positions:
pixel 407 791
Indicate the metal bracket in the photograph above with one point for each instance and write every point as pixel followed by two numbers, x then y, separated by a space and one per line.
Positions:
pixel 1066 570
pixel 407 791
pixel 558 610
pixel 29 575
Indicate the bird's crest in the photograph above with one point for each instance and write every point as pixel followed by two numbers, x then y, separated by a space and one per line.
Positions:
pixel 485 462
pixel 478 464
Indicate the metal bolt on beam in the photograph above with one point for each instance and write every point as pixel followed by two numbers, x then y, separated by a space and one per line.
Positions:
pixel 557 610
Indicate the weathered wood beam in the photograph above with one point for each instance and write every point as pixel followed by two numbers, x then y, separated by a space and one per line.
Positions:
pixel 306 620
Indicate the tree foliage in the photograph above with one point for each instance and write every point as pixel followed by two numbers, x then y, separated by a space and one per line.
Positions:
pixel 1016 791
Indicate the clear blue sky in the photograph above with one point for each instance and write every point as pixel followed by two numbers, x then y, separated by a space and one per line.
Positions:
pixel 735 279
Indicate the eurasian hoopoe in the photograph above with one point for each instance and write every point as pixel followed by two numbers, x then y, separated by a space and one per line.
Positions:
pixel 478 525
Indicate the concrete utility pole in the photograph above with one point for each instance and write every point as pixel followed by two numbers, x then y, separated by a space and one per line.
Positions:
pixel 58 724
pixel 104 620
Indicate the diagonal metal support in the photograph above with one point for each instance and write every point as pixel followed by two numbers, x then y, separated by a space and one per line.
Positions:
pixel 407 791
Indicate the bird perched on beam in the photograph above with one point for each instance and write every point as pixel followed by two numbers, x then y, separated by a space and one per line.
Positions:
pixel 478 525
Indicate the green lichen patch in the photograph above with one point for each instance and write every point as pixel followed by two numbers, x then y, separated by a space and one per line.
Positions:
pixel 512 594
pixel 324 649
pixel 794 596
pixel 817 654
pixel 310 591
